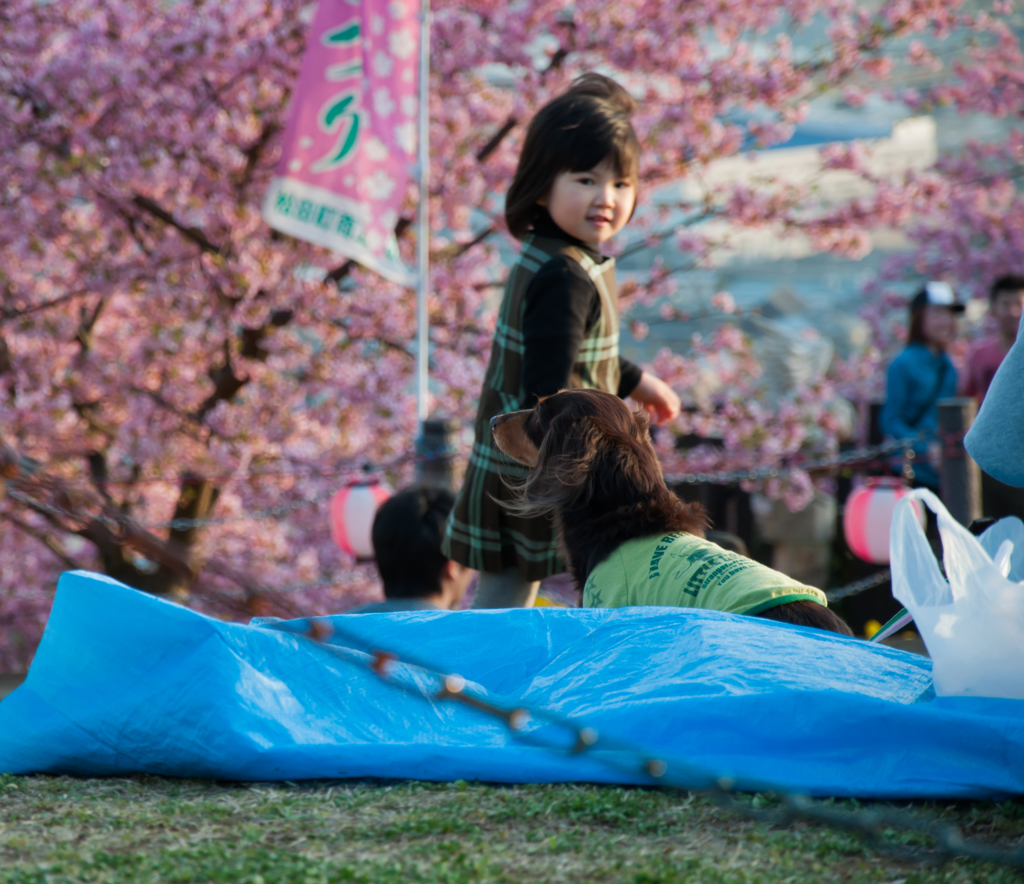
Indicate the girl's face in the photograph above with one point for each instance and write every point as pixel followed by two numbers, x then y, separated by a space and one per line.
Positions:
pixel 591 206
pixel 939 326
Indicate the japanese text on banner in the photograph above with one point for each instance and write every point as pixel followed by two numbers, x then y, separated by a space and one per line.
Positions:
pixel 351 136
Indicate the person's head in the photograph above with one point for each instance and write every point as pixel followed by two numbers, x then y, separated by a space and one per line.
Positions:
pixel 580 161
pixel 407 533
pixel 933 316
pixel 1006 304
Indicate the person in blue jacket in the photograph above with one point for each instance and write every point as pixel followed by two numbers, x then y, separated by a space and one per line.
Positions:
pixel 919 377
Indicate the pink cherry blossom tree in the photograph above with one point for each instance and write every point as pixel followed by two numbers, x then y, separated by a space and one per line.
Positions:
pixel 164 356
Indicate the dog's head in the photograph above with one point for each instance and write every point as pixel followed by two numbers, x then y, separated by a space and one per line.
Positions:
pixel 593 468
pixel 580 444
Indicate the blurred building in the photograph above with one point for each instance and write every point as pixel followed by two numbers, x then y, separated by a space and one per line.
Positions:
pixel 788 294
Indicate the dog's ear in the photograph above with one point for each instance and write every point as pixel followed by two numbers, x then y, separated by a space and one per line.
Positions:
pixel 563 471
pixel 570 446
pixel 512 435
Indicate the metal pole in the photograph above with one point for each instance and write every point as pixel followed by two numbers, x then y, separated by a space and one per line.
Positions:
pixel 423 223
pixel 959 476
pixel 435 446
pixel 436 450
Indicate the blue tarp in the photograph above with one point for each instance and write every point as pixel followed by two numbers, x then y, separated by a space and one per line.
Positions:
pixel 124 683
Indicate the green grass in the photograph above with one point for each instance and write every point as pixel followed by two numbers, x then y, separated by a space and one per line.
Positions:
pixel 150 829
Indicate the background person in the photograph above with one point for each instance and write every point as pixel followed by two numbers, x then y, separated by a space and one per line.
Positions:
pixel 1006 304
pixel 996 438
pixel 920 376
pixel 417 576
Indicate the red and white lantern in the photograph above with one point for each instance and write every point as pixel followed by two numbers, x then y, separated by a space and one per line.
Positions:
pixel 867 518
pixel 352 512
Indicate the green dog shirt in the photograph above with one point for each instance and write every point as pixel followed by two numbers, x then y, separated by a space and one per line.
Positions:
pixel 683 571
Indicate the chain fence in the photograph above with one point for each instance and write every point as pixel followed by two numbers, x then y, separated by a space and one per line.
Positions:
pixel 273 512
pixel 881 825
pixel 833 595
pixel 870 453
pixel 118 522
pixel 858 586
pixel 366 470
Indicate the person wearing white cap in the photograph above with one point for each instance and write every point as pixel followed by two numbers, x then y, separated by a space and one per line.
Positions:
pixel 920 376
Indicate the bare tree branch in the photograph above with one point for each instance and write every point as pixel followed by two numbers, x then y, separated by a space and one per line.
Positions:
pixel 87 323
pixel 193 234
pixel 173 409
pixel 496 139
pixel 114 535
pixel 254 152
pixel 7 313
pixel 49 542
pixel 225 385
pixel 495 142
pixel 342 270
pixel 457 250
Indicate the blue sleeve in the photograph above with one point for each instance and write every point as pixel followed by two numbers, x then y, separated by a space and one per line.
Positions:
pixel 952 381
pixel 893 420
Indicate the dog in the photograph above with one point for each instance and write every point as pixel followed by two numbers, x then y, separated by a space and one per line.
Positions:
pixel 626 538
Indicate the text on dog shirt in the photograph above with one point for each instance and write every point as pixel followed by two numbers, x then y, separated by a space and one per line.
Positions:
pixel 683 571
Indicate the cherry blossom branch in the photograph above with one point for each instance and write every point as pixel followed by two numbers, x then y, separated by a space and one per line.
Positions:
pixel 193 234
pixel 45 539
pixel 8 313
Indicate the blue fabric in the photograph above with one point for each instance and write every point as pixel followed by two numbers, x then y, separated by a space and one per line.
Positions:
pixel 124 683
pixel 996 439
pixel 389 606
pixel 910 385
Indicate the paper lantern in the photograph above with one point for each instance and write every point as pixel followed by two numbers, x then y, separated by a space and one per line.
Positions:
pixel 352 512
pixel 867 518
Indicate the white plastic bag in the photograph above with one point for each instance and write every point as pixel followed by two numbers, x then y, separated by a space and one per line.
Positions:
pixel 973 625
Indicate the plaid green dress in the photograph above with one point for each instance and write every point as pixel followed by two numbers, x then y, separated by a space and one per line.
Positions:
pixel 480 533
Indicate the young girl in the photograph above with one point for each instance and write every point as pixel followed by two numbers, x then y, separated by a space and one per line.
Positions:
pixel 920 376
pixel 574 188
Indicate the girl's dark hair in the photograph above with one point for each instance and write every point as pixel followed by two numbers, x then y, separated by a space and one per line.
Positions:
pixel 572 133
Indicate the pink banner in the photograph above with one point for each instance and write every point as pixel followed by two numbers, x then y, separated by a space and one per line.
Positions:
pixel 351 137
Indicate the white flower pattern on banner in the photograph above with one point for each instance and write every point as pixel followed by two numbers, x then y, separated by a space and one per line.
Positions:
pixel 377 24
pixel 402 44
pixel 376 150
pixel 397 10
pixel 382 63
pixel 409 103
pixel 405 135
pixel 383 105
pixel 379 186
